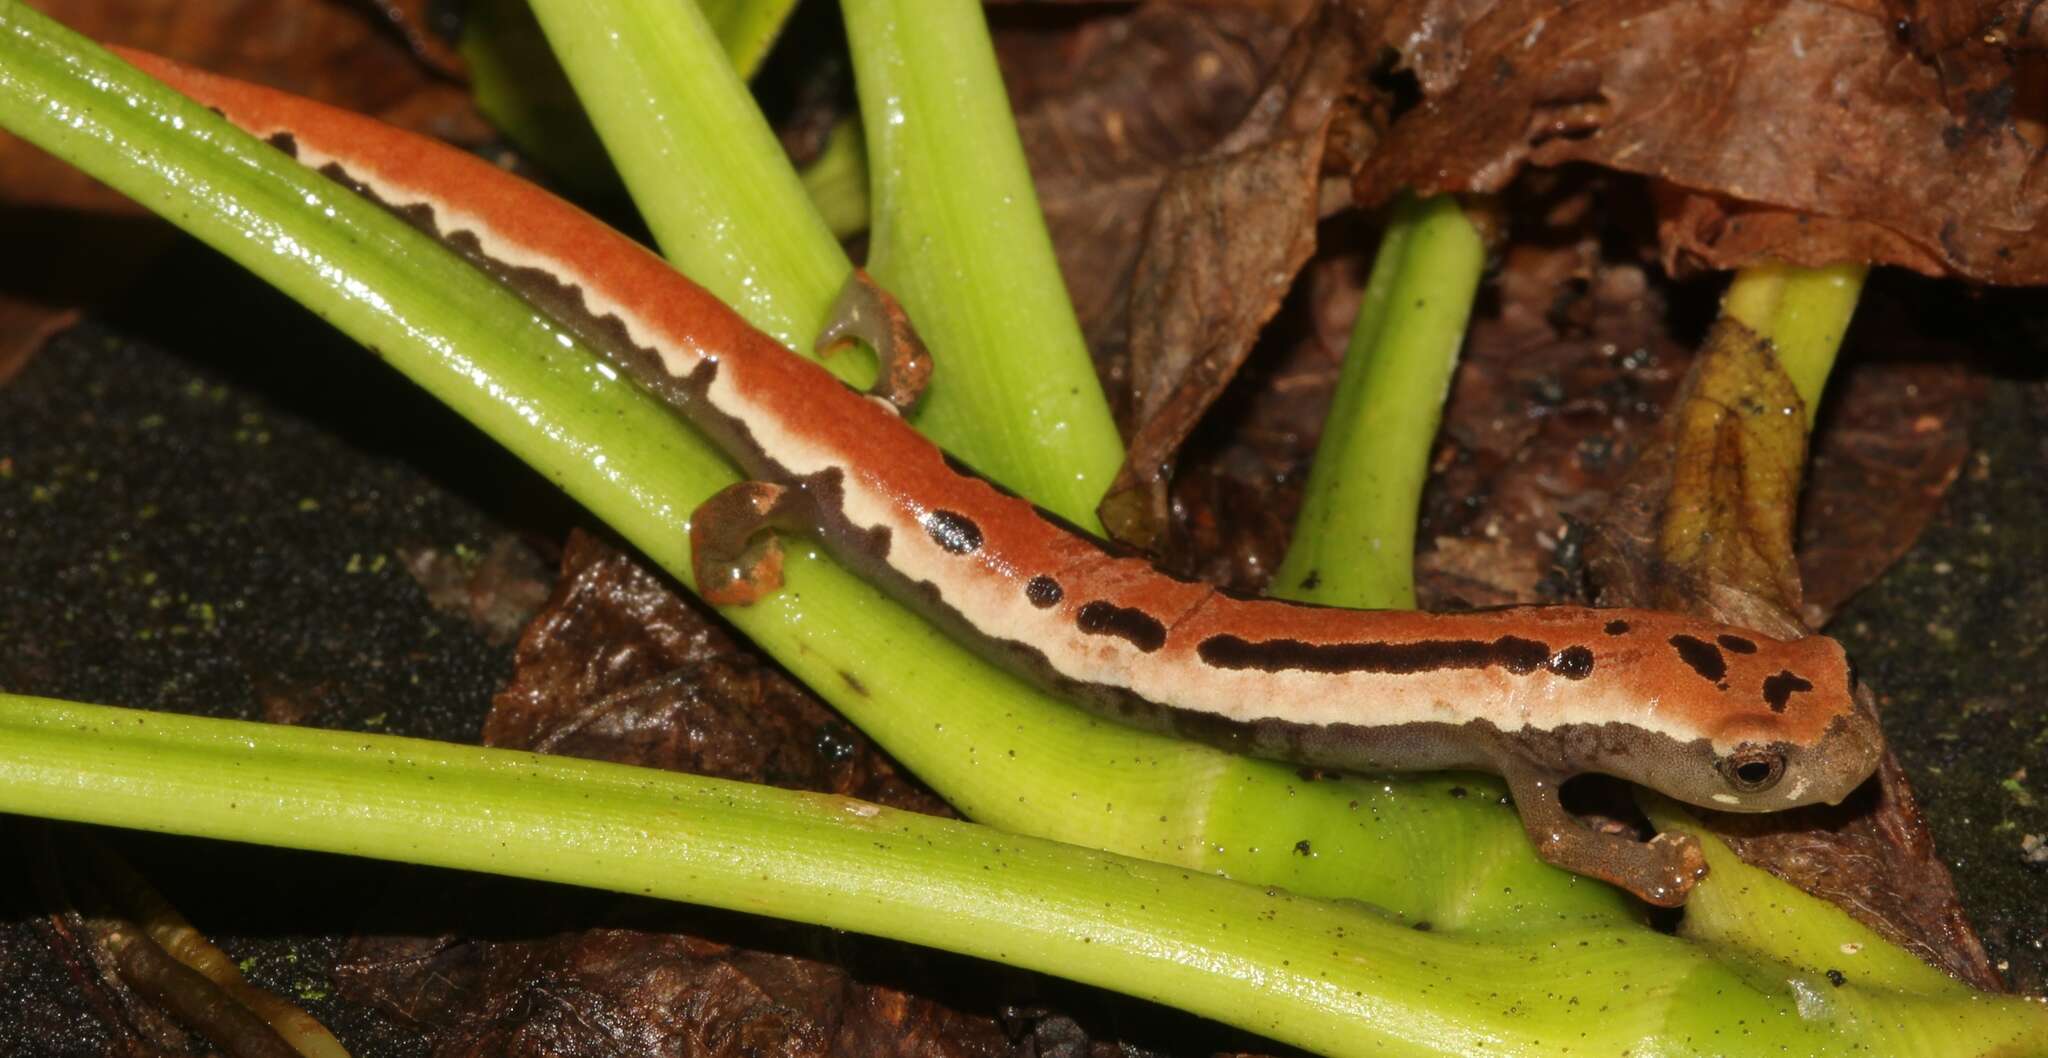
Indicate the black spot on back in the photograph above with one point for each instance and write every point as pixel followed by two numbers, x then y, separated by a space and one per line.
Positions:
pixel 1573 663
pixel 956 533
pixel 1141 629
pixel 1704 657
pixel 1044 592
pixel 1736 643
pixel 1617 628
pixel 1779 689
pixel 283 141
pixel 1513 653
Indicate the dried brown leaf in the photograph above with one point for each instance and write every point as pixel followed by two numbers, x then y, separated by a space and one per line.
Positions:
pixel 1223 243
pixel 1803 130
pixel 362 58
pixel 1896 436
pixel 1107 106
pixel 618 666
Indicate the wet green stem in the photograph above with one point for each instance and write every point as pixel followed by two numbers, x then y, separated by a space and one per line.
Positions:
pixel 1334 978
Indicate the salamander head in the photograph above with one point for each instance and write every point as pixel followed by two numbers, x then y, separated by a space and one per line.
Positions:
pixel 1775 723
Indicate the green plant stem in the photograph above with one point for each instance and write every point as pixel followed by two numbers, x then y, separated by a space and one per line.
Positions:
pixel 958 235
pixel 701 163
pixel 1336 979
pixel 520 89
pixel 746 28
pixel 1751 909
pixel 837 180
pixel 1354 541
pixel 1804 312
pixel 1001 751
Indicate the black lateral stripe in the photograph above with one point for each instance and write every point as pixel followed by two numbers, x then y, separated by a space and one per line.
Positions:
pixel 1513 653
pixel 1143 630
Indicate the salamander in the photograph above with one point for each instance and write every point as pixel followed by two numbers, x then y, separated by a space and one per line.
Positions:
pixel 1709 714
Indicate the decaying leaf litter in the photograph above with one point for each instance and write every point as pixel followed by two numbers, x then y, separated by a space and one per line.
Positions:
pixel 1571 363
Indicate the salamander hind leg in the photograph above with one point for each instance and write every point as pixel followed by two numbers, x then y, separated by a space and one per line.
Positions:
pixel 734 552
pixel 866 312
pixel 1661 871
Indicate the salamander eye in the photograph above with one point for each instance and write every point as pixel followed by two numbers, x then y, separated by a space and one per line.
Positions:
pixel 1753 769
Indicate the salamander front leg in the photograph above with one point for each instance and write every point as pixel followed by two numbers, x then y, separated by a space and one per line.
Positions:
pixel 865 311
pixel 1661 871
pixel 733 548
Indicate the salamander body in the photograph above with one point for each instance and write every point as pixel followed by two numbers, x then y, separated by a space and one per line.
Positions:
pixel 1709 714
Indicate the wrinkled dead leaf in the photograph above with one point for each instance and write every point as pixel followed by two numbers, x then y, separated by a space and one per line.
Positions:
pixel 1897 434
pixel 1107 105
pixel 617 666
pixel 1225 238
pixel 1805 130
pixel 361 58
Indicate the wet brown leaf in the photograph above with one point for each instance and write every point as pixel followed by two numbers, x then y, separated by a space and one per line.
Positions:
pixel 357 57
pixel 376 58
pixel 1107 106
pixel 1568 369
pixel 1808 131
pixel 1895 437
pixel 617 666
pixel 1224 241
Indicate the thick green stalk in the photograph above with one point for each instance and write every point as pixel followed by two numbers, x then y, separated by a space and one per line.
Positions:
pixel 837 180
pixel 1354 541
pixel 1751 909
pixel 1003 752
pixel 1804 312
pixel 958 235
pixel 520 87
pixel 746 28
pixel 1334 978
pixel 702 164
